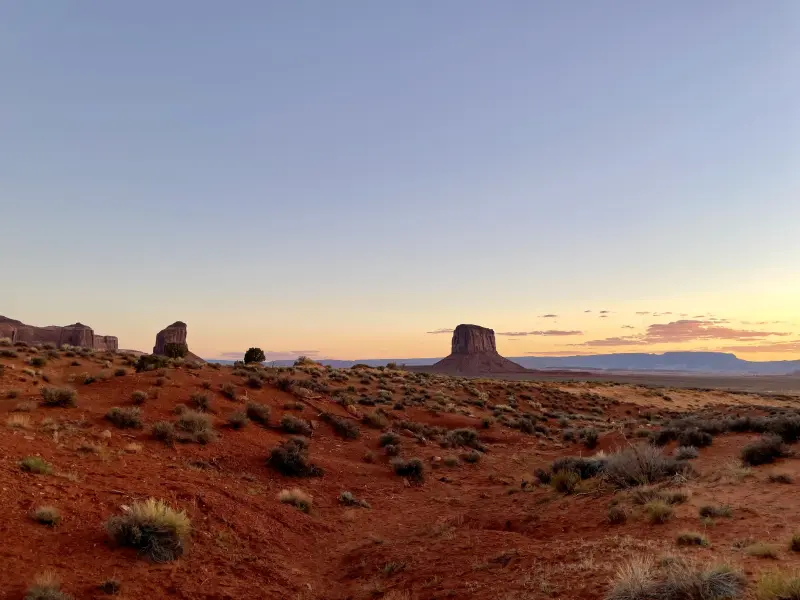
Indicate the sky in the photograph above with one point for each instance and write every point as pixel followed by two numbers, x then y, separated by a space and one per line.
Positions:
pixel 338 179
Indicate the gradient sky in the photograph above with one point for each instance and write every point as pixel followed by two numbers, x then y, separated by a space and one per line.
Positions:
pixel 339 178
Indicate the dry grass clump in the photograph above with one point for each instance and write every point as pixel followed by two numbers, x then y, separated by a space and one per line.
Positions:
pixel 691 538
pixel 794 543
pixel 47 515
pixel 778 585
pixel 565 482
pixel 291 458
pixel 258 413
pixel 46 586
pixel 343 427
pixel 348 499
pixel 229 391
pixel 297 498
pixel 62 397
pixel 640 465
pixel 640 579
pixel 779 478
pixel 17 421
pixel 686 453
pixel 163 431
pixel 762 550
pixel 129 417
pixel 153 528
pixel 238 420
pixel 712 512
pixel 193 426
pixel 139 397
pixel 201 402
pixel 35 464
pixel 658 511
pixel 617 514
pixel 294 425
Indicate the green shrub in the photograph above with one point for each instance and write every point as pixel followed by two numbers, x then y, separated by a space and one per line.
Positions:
pixel 176 349
pixel 125 418
pixel 150 362
pixel 163 431
pixel 194 427
pixel 589 437
pixel 35 464
pixel 153 528
pixel 64 397
pixel 343 427
pixel 254 355
pixel 38 361
pixel 389 438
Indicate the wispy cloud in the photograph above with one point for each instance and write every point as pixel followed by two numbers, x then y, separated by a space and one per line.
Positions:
pixel 685 331
pixel 661 314
pixel 790 346
pixel 548 316
pixel 561 353
pixel 587 311
pixel 603 316
pixel 436 331
pixel 643 312
pixel 546 332
pixel 604 312
pixel 628 327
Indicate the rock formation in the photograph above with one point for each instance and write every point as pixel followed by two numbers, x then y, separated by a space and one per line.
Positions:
pixel 474 352
pixel 173 334
pixel 73 335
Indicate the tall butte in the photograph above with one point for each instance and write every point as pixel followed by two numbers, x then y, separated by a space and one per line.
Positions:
pixel 474 352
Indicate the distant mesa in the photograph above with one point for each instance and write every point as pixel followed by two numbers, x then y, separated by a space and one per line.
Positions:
pixel 171 336
pixel 70 335
pixel 474 352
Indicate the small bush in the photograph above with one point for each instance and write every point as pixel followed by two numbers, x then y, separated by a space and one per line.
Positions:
pixel 391 450
pixel 293 425
pixel 762 550
pixel 139 397
pixel 343 427
pixel 777 585
pixel 238 420
pixel 200 402
pixel 63 397
pixel 763 451
pixel 153 528
pixel 794 544
pixel 640 465
pixel 176 349
pixel 150 362
pixel 46 587
pixel 463 437
pixel 229 391
pixel 297 498
pixel 694 437
pixel 565 482
pixel 658 511
pixel 390 438
pixel 413 469
pixel 38 361
pixel 194 427
pixel 713 512
pixel 375 420
pixel 259 413
pixel 589 437
pixel 35 464
pixel 255 382
pixel 779 478
pixel 120 373
pixel 348 499
pixel 691 538
pixel 291 458
pixel 163 431
pixel 686 453
pixel 617 514
pixel 47 515
pixel 472 457
pixel 125 418
pixel 110 587
pixel 11 394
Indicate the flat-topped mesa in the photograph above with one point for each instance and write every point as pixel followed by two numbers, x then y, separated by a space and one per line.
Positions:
pixel 78 335
pixel 472 339
pixel 474 352
pixel 174 334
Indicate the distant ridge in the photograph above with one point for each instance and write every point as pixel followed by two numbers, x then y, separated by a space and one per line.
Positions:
pixel 689 362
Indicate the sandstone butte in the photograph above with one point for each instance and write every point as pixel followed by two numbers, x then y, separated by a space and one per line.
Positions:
pixel 70 335
pixel 474 352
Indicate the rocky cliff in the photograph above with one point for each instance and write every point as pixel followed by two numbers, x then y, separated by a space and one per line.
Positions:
pixel 173 334
pixel 474 352
pixel 73 335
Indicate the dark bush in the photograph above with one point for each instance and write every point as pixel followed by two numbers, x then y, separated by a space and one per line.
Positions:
pixel 589 437
pixel 291 458
pixel 176 349
pixel 694 437
pixel 139 397
pixel 255 382
pixel 254 355
pixel 163 431
pixel 412 468
pixel 150 362
pixel 238 420
pixel 200 401
pixel 346 428
pixel 585 467
pixel 389 438
pixel 229 391
pixel 763 451
pixel 291 424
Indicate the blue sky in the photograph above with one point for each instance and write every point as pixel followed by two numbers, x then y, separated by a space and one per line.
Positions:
pixel 343 177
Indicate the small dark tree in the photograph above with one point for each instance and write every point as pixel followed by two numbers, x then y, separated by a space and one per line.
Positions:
pixel 254 355
pixel 176 350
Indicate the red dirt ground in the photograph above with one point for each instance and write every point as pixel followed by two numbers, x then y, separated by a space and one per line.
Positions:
pixel 482 531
